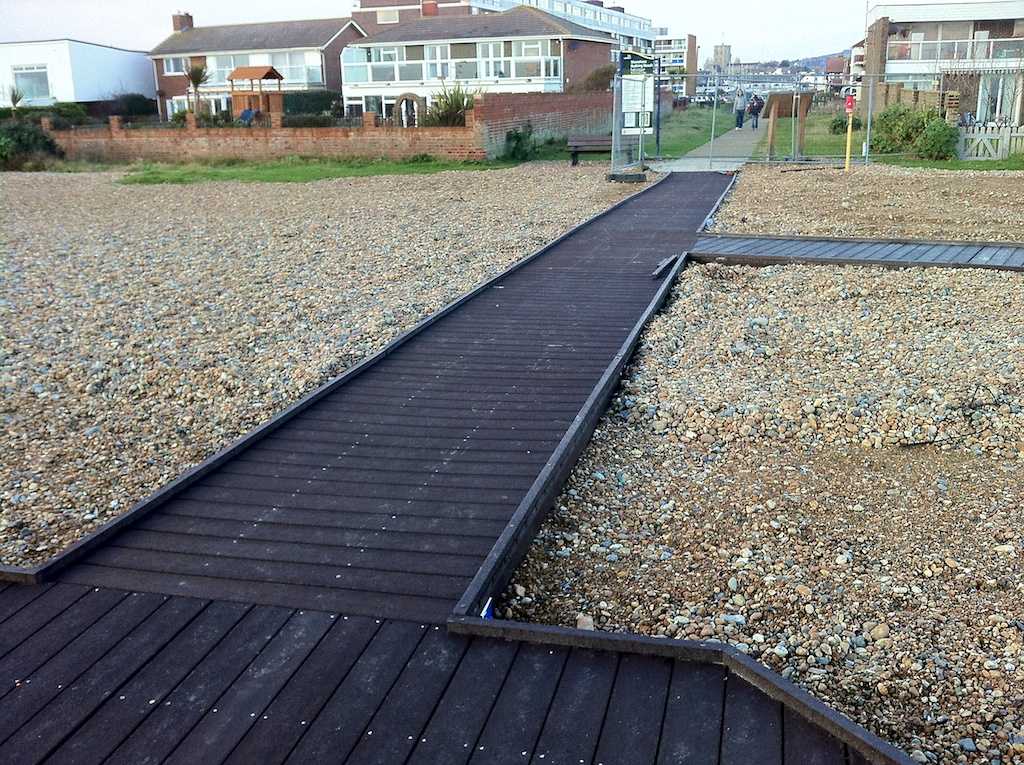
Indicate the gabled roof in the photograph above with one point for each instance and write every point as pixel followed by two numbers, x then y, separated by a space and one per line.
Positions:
pixel 521 21
pixel 276 35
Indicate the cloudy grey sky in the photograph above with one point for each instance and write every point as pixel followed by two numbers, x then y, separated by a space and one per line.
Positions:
pixel 757 30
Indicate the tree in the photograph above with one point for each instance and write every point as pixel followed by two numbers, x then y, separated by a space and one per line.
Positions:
pixel 198 75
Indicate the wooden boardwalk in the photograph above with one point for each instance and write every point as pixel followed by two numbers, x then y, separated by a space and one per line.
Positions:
pixel 291 601
pixel 753 250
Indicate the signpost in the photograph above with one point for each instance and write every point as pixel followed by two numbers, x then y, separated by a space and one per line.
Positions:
pixel 638 95
pixel 850 103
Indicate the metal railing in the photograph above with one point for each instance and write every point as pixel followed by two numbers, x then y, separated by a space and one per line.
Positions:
pixel 1009 50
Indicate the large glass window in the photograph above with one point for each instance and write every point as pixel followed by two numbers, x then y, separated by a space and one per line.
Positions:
pixel 437 58
pixel 293 66
pixel 32 81
pixel 493 62
pixel 221 66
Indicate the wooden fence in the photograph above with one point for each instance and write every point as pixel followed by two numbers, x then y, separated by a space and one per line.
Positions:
pixel 984 142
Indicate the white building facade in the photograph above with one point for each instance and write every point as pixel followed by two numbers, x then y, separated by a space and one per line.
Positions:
pixel 69 70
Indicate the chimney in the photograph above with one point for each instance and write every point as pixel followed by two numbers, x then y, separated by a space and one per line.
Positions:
pixel 182 21
pixel 428 7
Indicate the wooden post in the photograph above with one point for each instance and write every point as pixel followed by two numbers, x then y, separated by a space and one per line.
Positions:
pixel 773 122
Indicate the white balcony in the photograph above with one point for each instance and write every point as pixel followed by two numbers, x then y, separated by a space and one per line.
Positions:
pixel 542 72
pixel 955 55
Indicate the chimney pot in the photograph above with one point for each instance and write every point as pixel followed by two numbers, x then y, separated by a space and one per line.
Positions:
pixel 428 7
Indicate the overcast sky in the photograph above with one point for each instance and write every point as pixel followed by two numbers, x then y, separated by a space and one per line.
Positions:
pixel 757 30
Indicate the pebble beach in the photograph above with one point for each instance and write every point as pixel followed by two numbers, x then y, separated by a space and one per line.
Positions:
pixel 819 466
pixel 146 327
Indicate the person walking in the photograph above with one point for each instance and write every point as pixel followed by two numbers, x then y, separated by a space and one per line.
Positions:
pixel 740 107
pixel 756 105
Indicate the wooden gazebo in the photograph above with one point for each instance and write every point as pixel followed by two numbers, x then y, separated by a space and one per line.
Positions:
pixel 255 98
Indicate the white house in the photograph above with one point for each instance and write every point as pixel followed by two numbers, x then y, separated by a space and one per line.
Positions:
pixel 976 48
pixel 69 70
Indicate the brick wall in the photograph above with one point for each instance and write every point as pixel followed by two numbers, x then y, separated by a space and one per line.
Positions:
pixel 550 115
pixel 493 115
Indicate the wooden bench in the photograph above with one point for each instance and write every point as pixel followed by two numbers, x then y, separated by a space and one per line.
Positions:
pixel 596 144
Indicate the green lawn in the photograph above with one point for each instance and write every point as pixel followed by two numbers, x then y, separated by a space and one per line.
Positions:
pixel 296 170
pixel 818 141
pixel 684 131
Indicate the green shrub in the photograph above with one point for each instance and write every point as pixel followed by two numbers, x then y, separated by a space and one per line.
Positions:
pixel 938 141
pixel 897 129
pixel 597 81
pixel 20 141
pixel 520 144
pixel 448 108
pixel 307 121
pixel 132 105
pixel 838 124
pixel 309 101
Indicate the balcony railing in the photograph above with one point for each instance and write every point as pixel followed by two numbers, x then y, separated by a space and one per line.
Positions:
pixel 457 69
pixel 958 50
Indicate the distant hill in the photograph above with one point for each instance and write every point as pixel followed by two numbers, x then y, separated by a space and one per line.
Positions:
pixel 818 62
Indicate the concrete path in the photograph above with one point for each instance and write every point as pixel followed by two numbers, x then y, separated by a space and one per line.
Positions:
pixel 725 153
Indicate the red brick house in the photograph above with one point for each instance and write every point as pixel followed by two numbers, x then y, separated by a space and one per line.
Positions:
pixel 306 53
pixel 522 50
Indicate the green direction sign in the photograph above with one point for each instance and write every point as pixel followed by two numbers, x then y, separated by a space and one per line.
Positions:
pixel 631 62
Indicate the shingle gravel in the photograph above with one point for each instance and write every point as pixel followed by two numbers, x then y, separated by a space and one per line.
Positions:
pixel 821 466
pixel 144 328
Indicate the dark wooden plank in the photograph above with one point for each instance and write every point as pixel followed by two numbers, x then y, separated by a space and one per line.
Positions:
pixel 257 572
pixel 283 447
pixel 381 538
pixel 1001 255
pixel 286 720
pixel 38 688
pixel 36 649
pixel 339 470
pixel 265 500
pixel 573 725
pixel 514 726
pixel 379 491
pixel 38 736
pixel 981 256
pixel 35 610
pixel 450 737
pixel 344 718
pixel 124 710
pixel 1016 259
pixel 807 744
pixel 752 726
pixel 196 696
pixel 636 710
pixel 15 597
pixel 399 722
pixel 693 715
pixel 302 552
pixel 268 519
pixel 216 735
pixel 461 463
pixel 423 607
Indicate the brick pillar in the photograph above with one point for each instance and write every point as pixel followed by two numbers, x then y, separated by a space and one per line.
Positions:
pixel 276 120
pixel 46 123
pixel 115 124
pixel 369 120
pixel 190 121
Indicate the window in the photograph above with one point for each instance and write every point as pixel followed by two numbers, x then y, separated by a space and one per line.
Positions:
pixel 222 66
pixel 437 57
pixel 32 81
pixel 387 54
pixel 529 48
pixel 293 67
pixel 389 16
pixel 177 65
